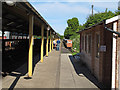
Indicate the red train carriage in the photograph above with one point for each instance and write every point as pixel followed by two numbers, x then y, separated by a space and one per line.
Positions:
pixel 67 43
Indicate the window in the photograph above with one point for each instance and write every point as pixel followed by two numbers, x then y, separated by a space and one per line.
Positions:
pixel 89 44
pixel 85 43
pixel 82 42
pixel 97 45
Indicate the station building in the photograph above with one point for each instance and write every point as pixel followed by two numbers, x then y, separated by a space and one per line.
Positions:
pixel 100 51
pixel 29 35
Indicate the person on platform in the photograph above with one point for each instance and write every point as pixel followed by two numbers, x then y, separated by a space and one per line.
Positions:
pixel 58 44
pixel 54 44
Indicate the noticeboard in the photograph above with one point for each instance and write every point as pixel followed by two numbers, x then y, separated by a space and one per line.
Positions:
pixel 103 48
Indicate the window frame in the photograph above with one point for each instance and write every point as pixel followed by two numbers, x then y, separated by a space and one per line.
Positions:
pixel 97 45
pixel 86 43
pixel 83 40
pixel 89 43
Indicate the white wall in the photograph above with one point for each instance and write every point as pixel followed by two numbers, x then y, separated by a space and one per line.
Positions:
pixel 114 56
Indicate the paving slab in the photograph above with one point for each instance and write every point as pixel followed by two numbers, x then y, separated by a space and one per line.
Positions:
pixel 44 75
pixel 59 70
pixel 75 75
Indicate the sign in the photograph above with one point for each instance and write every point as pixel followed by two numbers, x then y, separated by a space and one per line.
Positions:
pixel 103 48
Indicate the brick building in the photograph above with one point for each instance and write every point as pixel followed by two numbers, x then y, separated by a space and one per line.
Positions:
pixel 100 50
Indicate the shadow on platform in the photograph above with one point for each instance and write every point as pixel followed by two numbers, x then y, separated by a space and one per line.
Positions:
pixel 15 62
pixel 82 70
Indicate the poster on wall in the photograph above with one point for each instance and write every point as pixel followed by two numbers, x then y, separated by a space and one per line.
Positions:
pixel 103 48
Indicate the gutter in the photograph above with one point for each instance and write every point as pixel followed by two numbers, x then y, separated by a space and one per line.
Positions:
pixel 112 31
pixel 90 27
pixel 106 28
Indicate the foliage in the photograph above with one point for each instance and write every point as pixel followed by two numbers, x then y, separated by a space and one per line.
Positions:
pixel 76 41
pixel 67 33
pixel 73 25
pixel 37 37
pixel 74 53
pixel 61 36
pixel 96 18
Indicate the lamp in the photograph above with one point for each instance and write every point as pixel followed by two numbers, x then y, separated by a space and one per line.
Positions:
pixel 48 28
pixel 53 36
pixel 10 2
pixel 53 32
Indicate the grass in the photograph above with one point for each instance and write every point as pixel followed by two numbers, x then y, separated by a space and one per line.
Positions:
pixel 74 53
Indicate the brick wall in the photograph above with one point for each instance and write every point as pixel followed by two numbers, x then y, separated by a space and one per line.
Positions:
pixel 100 67
pixel 107 60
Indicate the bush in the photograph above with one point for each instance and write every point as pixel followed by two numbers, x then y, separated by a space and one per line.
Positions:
pixel 76 42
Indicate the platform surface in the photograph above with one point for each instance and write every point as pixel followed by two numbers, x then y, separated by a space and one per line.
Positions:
pixel 59 70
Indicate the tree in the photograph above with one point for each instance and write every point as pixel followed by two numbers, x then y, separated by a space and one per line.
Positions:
pixel 73 25
pixel 96 18
pixel 61 36
pixel 81 27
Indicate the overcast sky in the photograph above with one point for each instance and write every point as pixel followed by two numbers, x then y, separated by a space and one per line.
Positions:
pixel 57 13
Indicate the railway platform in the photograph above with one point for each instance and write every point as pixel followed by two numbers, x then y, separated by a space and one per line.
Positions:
pixel 59 70
pixel 44 74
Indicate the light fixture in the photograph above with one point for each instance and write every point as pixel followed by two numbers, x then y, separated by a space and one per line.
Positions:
pixel 10 2
pixel 48 28
pixel 53 36
pixel 53 32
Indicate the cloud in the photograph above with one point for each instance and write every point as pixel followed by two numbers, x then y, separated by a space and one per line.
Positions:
pixel 61 8
pixel 57 13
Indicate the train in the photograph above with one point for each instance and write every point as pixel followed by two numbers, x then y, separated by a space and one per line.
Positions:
pixel 67 43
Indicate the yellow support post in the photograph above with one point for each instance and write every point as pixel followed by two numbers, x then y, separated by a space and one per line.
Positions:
pixel 30 45
pixel 42 41
pixel 47 45
pixel 50 41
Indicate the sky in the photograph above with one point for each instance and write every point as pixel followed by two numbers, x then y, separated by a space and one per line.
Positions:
pixel 56 13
